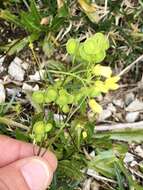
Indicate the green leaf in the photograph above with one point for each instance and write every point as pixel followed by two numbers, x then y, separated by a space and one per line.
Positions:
pixel 35 12
pixel 63 11
pixel 70 168
pixel 29 22
pixel 127 136
pixel 131 182
pixel 18 45
pixel 8 16
pixel 21 136
pixel 119 177
pixel 56 24
pixel 104 163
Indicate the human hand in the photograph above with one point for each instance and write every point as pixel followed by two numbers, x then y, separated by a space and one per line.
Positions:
pixel 21 170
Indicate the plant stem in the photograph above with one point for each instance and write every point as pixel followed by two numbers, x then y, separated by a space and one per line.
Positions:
pixel 10 122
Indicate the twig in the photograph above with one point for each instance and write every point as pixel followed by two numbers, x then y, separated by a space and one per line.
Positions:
pixel 98 177
pixel 120 127
pixel 10 122
pixel 131 65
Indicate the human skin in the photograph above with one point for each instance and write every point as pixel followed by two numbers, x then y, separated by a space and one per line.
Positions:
pixel 21 170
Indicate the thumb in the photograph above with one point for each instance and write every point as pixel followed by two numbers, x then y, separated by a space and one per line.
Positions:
pixel 27 174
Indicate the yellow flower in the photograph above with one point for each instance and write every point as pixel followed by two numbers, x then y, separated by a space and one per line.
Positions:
pixel 84 134
pixel 101 86
pixel 104 71
pixel 111 83
pixel 95 107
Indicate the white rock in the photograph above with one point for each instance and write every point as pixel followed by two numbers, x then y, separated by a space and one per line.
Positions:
pixel 134 163
pixel 87 183
pixel 37 76
pixel 17 60
pixel 25 65
pixel 1 63
pixel 92 154
pixel 129 98
pixel 111 107
pixel 128 158
pixel 58 117
pixel 119 103
pixel 2 94
pixel 132 117
pixel 104 115
pixel 36 87
pixel 136 105
pixel 139 151
pixel 27 87
pixel 13 92
pixel 15 70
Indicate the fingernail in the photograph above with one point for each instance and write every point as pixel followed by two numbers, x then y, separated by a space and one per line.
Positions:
pixel 37 174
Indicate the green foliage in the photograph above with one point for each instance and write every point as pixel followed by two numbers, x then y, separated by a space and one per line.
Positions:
pixel 30 20
pixel 93 50
pixel 69 90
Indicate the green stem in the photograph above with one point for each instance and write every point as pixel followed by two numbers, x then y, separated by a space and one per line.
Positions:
pixel 68 74
pixel 62 128
pixel 10 122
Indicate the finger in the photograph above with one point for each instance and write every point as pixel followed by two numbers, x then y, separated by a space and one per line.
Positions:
pixel 12 150
pixel 27 174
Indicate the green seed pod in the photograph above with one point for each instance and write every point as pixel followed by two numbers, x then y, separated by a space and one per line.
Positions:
pixel 84 55
pixel 72 46
pixel 47 100
pixel 39 128
pixel 100 57
pixel 106 44
pixel 51 94
pixel 78 97
pixel 62 100
pixel 66 109
pixel 101 41
pixel 39 138
pixel 48 127
pixel 70 99
pixel 89 46
pixel 38 97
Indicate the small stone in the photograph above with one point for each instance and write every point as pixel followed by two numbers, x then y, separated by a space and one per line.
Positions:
pixel 13 91
pixel 25 66
pixel 58 117
pixel 139 151
pixel 37 76
pixel 1 59
pixel 132 117
pixel 15 70
pixel 128 158
pixel 2 94
pixel 44 21
pixel 27 87
pixel 1 63
pixel 136 105
pixel 92 154
pixel 133 163
pixel 118 103
pixel 87 183
pixel 129 98
pixel 36 87
pixel 95 185
pixel 17 60
pixel 105 114
pixel 112 108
